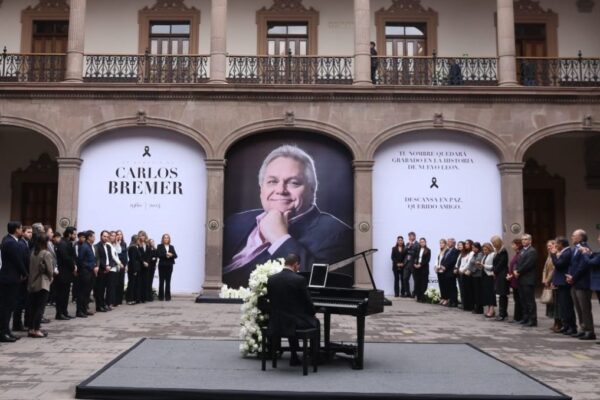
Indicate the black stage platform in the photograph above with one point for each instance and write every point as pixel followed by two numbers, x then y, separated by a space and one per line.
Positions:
pixel 156 369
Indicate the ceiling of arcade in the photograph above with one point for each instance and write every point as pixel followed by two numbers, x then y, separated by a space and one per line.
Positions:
pixel 509 124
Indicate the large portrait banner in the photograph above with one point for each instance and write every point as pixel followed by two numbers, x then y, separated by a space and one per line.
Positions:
pixel 153 180
pixel 287 192
pixel 437 184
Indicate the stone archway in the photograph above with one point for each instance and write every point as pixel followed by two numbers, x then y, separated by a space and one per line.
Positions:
pixel 29 175
pixel 560 188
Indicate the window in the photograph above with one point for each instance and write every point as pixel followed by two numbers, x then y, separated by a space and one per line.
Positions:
pixel 405 40
pixel 406 29
pixel 169 27
pixel 169 37
pixel 530 40
pixel 287 25
pixel 287 38
pixel 50 36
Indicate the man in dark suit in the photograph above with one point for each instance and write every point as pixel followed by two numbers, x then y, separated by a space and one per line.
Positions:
pixel 105 264
pixel 12 273
pixel 592 259
pixel 23 296
pixel 525 273
pixel 65 258
pixel 87 270
pixel 289 221
pixel 291 306
pixel 412 251
pixel 448 263
pixel 561 256
pixel 579 276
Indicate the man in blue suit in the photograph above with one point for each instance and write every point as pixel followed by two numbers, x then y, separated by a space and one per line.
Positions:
pixel 12 273
pixel 87 269
pixel 561 255
pixel 592 260
pixel 579 277
pixel 289 221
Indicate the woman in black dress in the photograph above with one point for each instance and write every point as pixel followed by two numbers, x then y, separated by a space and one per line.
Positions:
pixel 398 254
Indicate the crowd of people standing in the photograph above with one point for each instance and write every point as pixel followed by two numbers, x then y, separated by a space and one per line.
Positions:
pixel 40 267
pixel 485 276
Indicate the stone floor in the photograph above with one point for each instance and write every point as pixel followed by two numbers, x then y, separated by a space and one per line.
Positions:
pixel 50 368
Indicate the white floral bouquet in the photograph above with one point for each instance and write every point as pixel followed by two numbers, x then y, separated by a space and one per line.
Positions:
pixel 433 295
pixel 252 318
pixel 230 293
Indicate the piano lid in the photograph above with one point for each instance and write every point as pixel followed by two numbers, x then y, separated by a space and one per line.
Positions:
pixel 349 260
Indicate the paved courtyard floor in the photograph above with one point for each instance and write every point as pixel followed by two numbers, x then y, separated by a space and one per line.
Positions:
pixel 50 368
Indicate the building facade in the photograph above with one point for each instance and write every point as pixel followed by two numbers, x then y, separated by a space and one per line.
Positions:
pixel 517 83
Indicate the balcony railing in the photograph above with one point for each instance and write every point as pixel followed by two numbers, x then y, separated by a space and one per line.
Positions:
pixel 570 72
pixel 436 71
pixel 146 68
pixel 292 70
pixel 32 67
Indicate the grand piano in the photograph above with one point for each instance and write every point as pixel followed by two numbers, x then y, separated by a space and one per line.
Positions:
pixel 340 297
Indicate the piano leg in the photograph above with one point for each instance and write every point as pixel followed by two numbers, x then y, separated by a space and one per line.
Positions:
pixel 326 327
pixel 360 342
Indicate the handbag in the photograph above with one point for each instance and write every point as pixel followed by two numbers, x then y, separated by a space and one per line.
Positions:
pixel 547 296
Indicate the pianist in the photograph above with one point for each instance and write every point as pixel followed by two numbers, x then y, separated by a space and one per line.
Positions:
pixel 289 221
pixel 291 307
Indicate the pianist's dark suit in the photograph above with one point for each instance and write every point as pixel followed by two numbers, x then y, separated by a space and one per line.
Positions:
pixel 315 237
pixel 291 305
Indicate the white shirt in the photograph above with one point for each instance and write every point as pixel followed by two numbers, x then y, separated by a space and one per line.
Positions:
pixel 465 261
pixel 421 250
pixel 488 264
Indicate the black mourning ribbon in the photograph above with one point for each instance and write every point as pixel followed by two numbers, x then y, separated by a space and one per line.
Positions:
pixel 147 151
pixel 434 183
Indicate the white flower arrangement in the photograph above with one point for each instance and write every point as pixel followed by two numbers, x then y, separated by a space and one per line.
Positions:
pixel 252 318
pixel 433 295
pixel 229 293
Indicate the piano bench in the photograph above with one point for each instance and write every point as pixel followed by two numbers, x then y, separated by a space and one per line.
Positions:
pixel 271 344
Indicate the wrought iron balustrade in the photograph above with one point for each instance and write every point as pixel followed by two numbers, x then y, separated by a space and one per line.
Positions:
pixel 146 68
pixel 576 71
pixel 436 71
pixel 292 70
pixel 32 67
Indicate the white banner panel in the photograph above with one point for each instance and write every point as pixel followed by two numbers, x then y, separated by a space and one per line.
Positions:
pixel 437 184
pixel 150 179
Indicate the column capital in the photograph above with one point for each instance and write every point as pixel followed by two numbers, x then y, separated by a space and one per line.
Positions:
pixel 69 162
pixel 511 168
pixel 363 165
pixel 215 164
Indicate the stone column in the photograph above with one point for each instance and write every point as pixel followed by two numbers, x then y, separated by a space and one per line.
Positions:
pixel 218 41
pixel 505 26
pixel 362 38
pixel 75 45
pixel 215 184
pixel 363 214
pixel 513 218
pixel 68 192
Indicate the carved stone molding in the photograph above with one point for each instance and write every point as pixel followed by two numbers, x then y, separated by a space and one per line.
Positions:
pixel 409 11
pixel 288 6
pixel 168 10
pixel 287 11
pixel 531 12
pixel 169 5
pixel 45 6
pixel 45 10
pixel 583 6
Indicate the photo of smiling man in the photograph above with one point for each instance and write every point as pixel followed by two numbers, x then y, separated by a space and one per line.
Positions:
pixel 288 222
